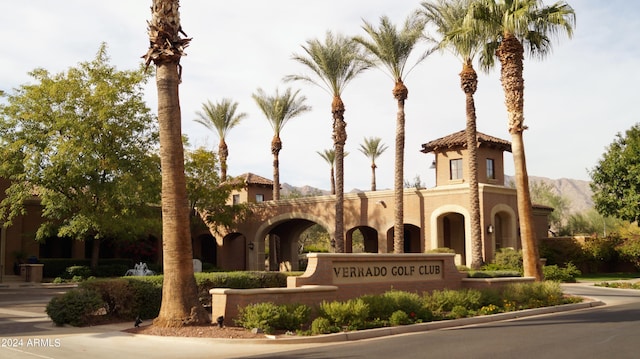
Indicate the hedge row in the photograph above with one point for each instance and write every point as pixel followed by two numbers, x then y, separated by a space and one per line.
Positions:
pixel 127 298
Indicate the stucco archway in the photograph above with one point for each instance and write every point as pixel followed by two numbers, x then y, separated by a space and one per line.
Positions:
pixel 282 234
pixel 450 228
pixel 505 231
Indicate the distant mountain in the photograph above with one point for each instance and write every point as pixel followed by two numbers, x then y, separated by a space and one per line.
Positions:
pixel 577 192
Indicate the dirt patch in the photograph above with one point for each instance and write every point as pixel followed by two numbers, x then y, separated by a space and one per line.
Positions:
pixel 206 331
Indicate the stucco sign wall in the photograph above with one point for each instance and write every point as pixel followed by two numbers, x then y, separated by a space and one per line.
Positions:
pixel 386 271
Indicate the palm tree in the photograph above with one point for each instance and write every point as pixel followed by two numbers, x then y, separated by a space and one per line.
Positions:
pixel 180 305
pixel 279 109
pixel 465 43
pixel 372 148
pixel 514 25
pixel 220 118
pixel 334 63
pixel 330 157
pixel 392 49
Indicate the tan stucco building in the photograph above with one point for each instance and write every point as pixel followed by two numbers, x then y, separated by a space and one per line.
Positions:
pixel 434 217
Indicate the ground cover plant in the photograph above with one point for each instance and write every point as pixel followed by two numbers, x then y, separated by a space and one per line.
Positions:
pixel 401 308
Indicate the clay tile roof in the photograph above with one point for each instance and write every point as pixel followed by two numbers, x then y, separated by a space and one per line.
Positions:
pixel 458 139
pixel 250 178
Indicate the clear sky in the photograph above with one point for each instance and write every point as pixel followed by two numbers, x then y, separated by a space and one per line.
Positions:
pixel 576 100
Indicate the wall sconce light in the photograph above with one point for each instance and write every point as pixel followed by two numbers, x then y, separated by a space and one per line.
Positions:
pixel 381 202
pixel 433 165
pixel 333 243
pixel 251 246
pixel 490 229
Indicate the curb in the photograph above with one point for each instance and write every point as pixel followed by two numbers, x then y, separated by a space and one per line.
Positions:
pixel 413 328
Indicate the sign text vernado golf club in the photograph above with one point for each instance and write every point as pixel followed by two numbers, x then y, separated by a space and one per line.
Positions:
pixel 386 271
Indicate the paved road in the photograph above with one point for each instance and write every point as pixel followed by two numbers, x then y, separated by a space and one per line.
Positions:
pixel 26 333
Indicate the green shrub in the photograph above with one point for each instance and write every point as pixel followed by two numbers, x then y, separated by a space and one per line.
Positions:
pixel 410 303
pixel 269 316
pixel 440 301
pixel 351 314
pixel 322 325
pixel 506 259
pixel 566 275
pixel 630 251
pixel 83 272
pixel 128 297
pixel 380 306
pixel 489 309
pixel 236 280
pixel 75 307
pixel 533 295
pixel 399 317
pixel 494 274
pixel 458 312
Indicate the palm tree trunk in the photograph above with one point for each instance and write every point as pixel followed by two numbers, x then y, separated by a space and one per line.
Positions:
pixel 180 305
pixel 400 93
pixel 276 146
pixel 373 176
pixel 469 84
pixel 511 54
pixel 339 140
pixel 333 179
pixel 223 153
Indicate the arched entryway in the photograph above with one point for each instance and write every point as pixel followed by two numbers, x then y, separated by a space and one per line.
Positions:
pixel 411 239
pixel 205 248
pixel 361 239
pixel 504 229
pixel 233 254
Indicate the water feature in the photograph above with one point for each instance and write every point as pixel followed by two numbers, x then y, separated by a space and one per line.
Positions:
pixel 140 269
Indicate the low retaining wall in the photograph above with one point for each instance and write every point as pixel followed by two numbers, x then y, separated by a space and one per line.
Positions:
pixel 226 302
pixel 334 276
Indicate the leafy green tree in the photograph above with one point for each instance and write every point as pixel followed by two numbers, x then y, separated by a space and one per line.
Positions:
pixel 373 148
pixel 513 25
pixel 220 118
pixel 334 64
pixel 392 48
pixel 180 305
pixel 84 141
pixel 544 194
pixel 465 42
pixel 279 109
pixel 207 195
pixel 615 180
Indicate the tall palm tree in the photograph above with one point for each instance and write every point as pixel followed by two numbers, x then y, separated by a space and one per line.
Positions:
pixel 330 157
pixel 279 109
pixel 464 42
pixel 392 48
pixel 180 305
pixel 514 25
pixel 220 118
pixel 334 64
pixel 373 148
